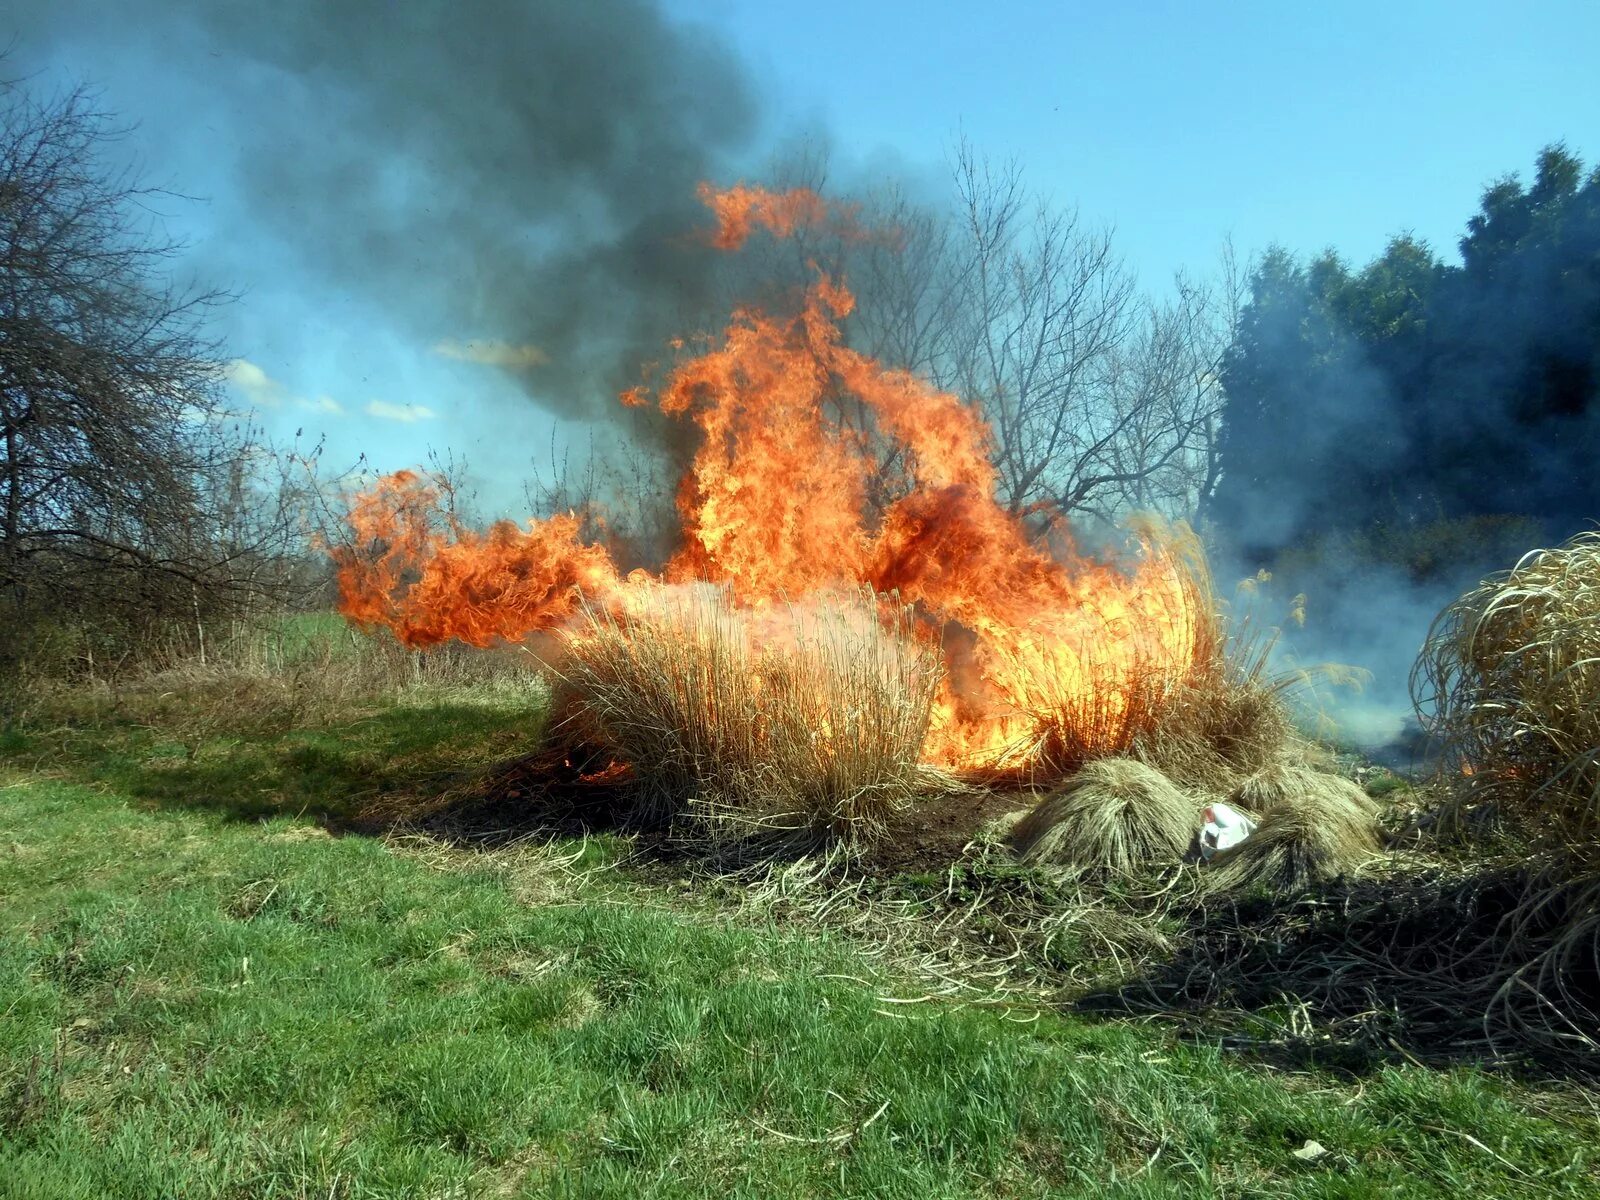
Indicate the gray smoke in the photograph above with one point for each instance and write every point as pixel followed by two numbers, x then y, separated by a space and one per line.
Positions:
pixel 520 172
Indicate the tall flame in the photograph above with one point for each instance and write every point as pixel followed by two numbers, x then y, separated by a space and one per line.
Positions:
pixel 775 504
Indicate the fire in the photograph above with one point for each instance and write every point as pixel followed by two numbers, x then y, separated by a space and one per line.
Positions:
pixel 776 505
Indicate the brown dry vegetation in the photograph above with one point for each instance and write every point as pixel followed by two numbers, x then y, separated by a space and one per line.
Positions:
pixel 796 721
pixel 1305 841
pixel 1510 679
pixel 1115 815
pixel 1285 785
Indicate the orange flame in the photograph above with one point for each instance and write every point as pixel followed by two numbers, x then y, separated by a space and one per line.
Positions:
pixel 775 504
pixel 430 580
pixel 740 209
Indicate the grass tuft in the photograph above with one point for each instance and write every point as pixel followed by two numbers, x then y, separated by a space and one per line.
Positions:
pixel 1116 815
pixel 1289 785
pixel 1509 685
pixel 1308 840
pixel 792 720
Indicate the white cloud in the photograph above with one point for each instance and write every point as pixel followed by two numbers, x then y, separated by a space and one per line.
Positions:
pixel 247 375
pixel 406 413
pixel 263 391
pixel 491 353
pixel 257 386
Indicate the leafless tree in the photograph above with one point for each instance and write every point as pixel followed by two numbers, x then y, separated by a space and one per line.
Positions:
pixel 125 485
pixel 1049 311
pixel 621 493
pixel 1163 400
pixel 1102 401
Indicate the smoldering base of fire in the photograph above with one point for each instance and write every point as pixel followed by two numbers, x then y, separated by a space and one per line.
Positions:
pixel 816 667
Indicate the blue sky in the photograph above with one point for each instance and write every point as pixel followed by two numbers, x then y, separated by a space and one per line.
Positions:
pixel 1335 124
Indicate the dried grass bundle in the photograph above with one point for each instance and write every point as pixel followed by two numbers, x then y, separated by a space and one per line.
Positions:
pixel 1296 844
pixel 1226 723
pixel 1124 677
pixel 794 719
pixel 1114 815
pixel 1224 717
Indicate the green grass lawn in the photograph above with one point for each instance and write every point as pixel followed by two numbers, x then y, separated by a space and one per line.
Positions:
pixel 203 993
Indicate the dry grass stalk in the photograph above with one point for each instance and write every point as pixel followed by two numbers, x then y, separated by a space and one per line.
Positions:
pixel 290 672
pixel 1130 679
pixel 1509 684
pixel 807 719
pixel 1115 815
pixel 1227 723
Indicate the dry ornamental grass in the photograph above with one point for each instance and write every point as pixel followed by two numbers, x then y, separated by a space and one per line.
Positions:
pixel 803 720
pixel 1304 841
pixel 1286 784
pixel 1116 815
pixel 1509 683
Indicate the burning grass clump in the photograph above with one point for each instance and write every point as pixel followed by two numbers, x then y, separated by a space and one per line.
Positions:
pixel 785 720
pixel 1509 685
pixel 1228 726
pixel 1485 931
pixel 1225 724
pixel 1119 677
pixel 1115 815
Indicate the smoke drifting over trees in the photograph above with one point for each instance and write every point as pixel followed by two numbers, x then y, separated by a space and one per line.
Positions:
pixel 1383 402
pixel 1394 432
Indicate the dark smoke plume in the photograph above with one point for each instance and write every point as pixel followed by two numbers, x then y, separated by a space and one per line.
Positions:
pixel 512 181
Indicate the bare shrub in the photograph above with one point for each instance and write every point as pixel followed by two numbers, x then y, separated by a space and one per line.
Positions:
pixel 134 507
